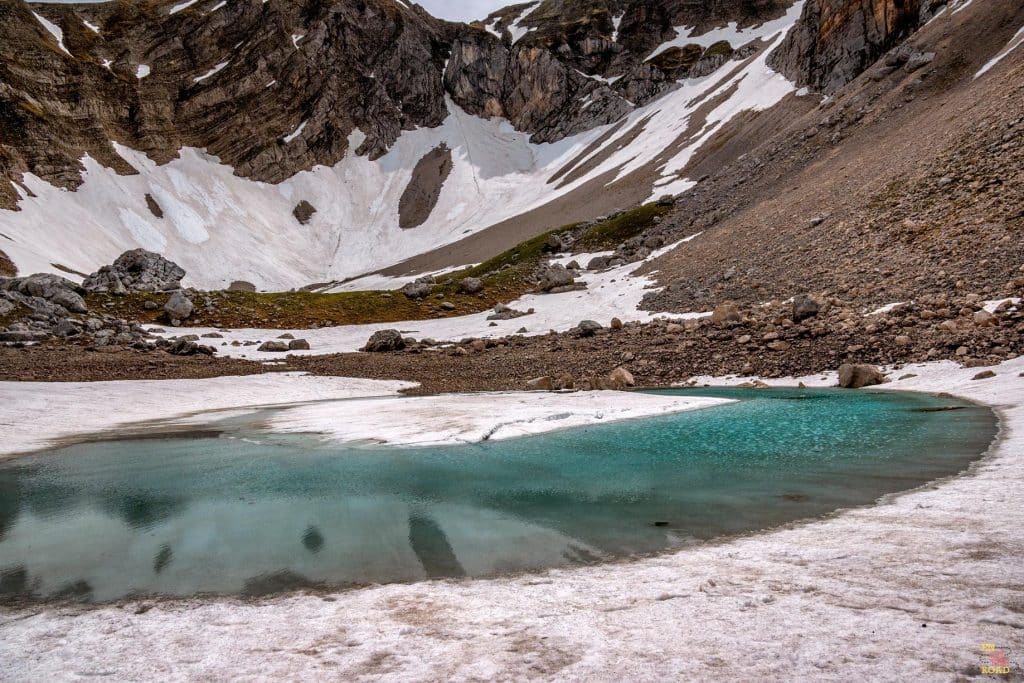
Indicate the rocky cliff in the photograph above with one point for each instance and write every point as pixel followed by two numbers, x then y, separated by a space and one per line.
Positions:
pixel 273 88
pixel 836 40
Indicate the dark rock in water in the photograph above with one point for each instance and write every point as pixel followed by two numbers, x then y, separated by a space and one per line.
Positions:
pixel 273 346
pixel 588 328
pixel 471 285
pixel 137 270
pixel 303 212
pixel 178 307
pixel 241 286
pixel 804 307
pixel 385 340
pixel 298 345
pixel 857 375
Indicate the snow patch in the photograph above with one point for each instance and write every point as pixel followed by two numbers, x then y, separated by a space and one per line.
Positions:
pixel 295 133
pixel 54 30
pixel 183 5
pixel 472 418
pixel 199 79
pixel 57 410
pixel 141 71
pixel 1015 42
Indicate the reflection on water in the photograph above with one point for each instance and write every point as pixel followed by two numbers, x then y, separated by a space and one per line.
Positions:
pixel 218 512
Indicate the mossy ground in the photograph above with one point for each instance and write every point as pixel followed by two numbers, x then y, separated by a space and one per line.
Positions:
pixel 506 277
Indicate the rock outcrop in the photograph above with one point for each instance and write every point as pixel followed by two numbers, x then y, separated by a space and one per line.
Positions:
pixel 137 270
pixel 836 40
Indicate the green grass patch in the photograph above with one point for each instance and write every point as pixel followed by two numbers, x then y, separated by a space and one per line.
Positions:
pixel 507 276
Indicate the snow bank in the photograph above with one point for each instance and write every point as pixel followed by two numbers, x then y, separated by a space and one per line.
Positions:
pixel 471 418
pixel 35 414
pixel 908 588
pixel 611 293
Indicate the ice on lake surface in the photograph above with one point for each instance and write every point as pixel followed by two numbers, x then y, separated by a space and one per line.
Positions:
pixel 233 509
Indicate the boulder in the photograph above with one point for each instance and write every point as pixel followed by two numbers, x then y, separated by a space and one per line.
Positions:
pixel 385 340
pixel 44 287
pixel 420 288
pixel 857 375
pixel 298 345
pixel 137 270
pixel 241 286
pixel 303 212
pixel 184 347
pixel 178 307
pixel 725 313
pixel 553 276
pixel 273 346
pixel 598 262
pixel 471 285
pixel 588 328
pixel 623 376
pixel 804 307
pixel 983 318
pixel 544 383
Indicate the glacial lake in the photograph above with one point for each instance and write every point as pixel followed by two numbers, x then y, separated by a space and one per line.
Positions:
pixel 228 509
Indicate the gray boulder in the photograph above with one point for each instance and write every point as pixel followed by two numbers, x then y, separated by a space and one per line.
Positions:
pixel 44 293
pixel 273 346
pixel 178 307
pixel 420 288
pixel 553 276
pixel 137 270
pixel 385 340
pixel 588 328
pixel 471 285
pixel 298 345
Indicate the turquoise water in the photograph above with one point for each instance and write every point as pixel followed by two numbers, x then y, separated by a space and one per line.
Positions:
pixel 232 510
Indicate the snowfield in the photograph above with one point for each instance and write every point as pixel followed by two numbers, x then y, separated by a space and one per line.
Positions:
pixel 339 408
pixel 908 588
pixel 222 228
pixel 472 418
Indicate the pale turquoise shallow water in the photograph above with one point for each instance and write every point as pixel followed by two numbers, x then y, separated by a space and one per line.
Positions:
pixel 215 512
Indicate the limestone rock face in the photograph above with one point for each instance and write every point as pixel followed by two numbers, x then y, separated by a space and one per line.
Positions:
pixel 836 40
